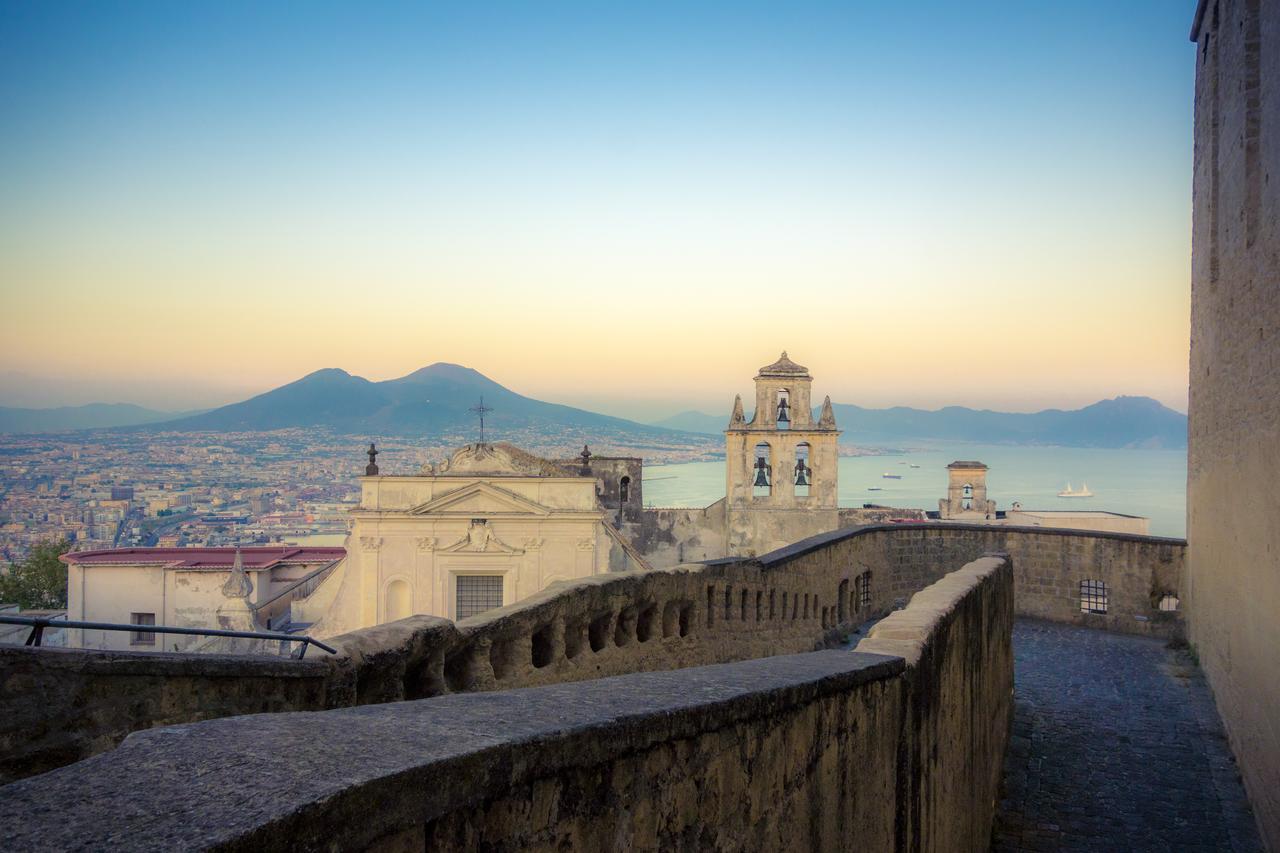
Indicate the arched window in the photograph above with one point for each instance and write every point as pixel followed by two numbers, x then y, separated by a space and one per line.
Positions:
pixel 398 601
pixel 624 489
pixel 802 477
pixel 762 471
pixel 1093 596
pixel 1168 603
pixel 782 415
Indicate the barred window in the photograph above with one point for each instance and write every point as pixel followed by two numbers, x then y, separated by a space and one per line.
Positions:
pixel 862 588
pixel 1093 596
pixel 142 638
pixel 478 593
pixel 1168 602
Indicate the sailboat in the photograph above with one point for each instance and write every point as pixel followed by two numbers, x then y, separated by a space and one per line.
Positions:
pixel 1082 492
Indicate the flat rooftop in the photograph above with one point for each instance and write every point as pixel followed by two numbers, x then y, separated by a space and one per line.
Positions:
pixel 254 557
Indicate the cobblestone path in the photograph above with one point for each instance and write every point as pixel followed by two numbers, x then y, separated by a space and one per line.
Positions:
pixel 1116 746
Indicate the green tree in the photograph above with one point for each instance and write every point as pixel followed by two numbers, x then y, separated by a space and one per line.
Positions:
pixel 38 582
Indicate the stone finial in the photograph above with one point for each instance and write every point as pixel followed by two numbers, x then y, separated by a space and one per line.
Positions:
pixel 828 418
pixel 371 470
pixel 238 584
pixel 585 456
pixel 737 418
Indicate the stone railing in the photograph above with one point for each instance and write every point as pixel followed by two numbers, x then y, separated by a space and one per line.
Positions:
pixel 63 705
pixel 897 745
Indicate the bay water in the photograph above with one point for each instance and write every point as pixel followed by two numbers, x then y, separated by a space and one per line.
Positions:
pixel 1150 483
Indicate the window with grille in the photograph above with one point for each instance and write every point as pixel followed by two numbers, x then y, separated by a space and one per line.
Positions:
pixel 1093 597
pixel 862 588
pixel 478 593
pixel 142 638
pixel 1168 602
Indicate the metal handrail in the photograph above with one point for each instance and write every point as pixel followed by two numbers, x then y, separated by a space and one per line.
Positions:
pixel 296 584
pixel 38 624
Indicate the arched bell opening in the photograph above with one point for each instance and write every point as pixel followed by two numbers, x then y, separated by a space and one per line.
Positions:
pixel 762 478
pixel 782 409
pixel 802 477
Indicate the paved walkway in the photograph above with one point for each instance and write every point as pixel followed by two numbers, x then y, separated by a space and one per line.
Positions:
pixel 1116 746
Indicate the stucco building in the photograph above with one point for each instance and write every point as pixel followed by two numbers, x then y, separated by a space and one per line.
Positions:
pixel 182 587
pixel 486 528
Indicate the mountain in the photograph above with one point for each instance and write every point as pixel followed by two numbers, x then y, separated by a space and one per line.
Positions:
pixel 1120 422
pixel 435 400
pixel 91 416
pixel 695 422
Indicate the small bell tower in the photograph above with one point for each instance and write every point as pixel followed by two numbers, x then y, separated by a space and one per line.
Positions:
pixel 781 466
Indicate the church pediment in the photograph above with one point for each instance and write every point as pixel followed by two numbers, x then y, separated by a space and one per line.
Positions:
pixel 480 499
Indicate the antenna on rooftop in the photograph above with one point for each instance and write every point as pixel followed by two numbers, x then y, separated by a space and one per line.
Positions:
pixel 480 410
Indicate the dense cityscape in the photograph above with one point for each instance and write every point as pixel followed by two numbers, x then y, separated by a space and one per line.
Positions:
pixel 105 489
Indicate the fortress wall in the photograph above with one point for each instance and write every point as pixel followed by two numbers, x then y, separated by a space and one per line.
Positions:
pixel 797 599
pixel 1233 496
pixel 895 746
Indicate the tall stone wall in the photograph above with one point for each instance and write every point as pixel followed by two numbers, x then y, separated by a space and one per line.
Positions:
pixel 829 750
pixel 1233 484
pixel 806 596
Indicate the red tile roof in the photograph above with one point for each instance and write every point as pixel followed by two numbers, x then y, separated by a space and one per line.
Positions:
pixel 255 557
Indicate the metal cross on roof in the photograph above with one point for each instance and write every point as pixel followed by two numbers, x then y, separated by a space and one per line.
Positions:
pixel 480 410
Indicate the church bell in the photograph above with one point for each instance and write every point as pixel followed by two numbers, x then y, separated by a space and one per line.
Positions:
pixel 783 415
pixel 802 473
pixel 762 472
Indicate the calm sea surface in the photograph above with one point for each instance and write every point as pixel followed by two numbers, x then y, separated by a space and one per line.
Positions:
pixel 1152 483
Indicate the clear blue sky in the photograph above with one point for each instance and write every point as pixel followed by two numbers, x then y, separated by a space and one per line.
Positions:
pixel 896 193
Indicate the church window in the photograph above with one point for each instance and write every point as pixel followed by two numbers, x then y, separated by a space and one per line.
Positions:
pixel 762 482
pixel 624 489
pixel 803 475
pixel 1093 596
pixel 782 416
pixel 478 593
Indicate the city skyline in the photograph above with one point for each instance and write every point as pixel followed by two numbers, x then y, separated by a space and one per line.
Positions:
pixel 612 209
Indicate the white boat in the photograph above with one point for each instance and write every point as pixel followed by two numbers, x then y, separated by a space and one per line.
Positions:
pixel 1082 492
pixel 886 475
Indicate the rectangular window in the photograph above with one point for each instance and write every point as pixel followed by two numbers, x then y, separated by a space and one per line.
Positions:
pixel 1093 597
pixel 862 587
pixel 478 593
pixel 142 638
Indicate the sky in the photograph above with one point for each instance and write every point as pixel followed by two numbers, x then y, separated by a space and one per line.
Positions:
pixel 626 207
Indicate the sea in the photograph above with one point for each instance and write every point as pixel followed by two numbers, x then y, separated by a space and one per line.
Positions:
pixel 1150 483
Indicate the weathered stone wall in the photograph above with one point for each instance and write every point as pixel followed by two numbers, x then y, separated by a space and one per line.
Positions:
pixel 1233 483
pixel 62 705
pixel 796 599
pixel 669 536
pixel 829 750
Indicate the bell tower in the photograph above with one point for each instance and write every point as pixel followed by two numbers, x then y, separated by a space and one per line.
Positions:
pixel 781 477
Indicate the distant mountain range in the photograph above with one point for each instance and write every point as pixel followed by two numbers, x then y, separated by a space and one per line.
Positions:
pixel 91 416
pixel 435 400
pixel 1136 422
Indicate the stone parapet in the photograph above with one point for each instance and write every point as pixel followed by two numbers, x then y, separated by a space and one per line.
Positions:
pixel 804 597
pixel 829 750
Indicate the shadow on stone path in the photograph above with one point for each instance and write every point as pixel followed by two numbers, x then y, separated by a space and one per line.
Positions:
pixel 1116 746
